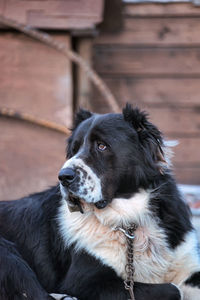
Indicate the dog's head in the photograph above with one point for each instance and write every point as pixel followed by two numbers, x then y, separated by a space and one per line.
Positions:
pixel 110 156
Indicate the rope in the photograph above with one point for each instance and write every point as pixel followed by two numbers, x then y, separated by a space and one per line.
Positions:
pixel 10 113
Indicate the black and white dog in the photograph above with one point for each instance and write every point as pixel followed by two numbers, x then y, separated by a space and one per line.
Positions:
pixel 66 240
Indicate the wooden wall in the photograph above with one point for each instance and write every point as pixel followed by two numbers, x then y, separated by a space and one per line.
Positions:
pixel 36 80
pixel 154 62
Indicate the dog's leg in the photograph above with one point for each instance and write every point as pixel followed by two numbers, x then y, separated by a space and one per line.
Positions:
pixel 113 289
pixel 88 279
pixel 157 291
pixel 17 280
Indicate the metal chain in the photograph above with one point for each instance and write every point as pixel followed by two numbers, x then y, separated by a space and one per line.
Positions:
pixel 129 233
pixel 130 270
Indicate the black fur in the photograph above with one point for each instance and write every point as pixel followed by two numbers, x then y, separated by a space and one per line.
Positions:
pixel 194 280
pixel 173 213
pixel 33 259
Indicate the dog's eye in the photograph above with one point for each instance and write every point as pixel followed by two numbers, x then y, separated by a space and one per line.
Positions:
pixel 101 146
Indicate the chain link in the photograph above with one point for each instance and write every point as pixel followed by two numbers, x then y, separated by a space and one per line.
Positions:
pixel 130 270
pixel 129 233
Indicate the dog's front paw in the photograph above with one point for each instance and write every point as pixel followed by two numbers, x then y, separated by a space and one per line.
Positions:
pixel 62 297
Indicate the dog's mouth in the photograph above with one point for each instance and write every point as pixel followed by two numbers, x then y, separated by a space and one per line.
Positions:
pixel 75 203
pixel 78 204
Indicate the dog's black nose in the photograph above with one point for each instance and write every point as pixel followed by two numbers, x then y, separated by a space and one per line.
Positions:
pixel 66 176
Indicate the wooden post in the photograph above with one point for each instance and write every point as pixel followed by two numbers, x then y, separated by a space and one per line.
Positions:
pixel 84 48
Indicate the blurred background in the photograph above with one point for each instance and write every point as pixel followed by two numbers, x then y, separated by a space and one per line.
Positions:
pixel 147 52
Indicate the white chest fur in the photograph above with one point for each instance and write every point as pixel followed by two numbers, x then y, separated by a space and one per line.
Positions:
pixel 94 232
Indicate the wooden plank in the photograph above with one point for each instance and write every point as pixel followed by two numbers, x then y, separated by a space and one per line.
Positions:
pixel 61 14
pixel 52 22
pixel 172 119
pixel 176 122
pixel 84 48
pixel 35 78
pixel 30 158
pixel 155 31
pixel 154 92
pixel 78 8
pixel 147 61
pixel 186 154
pixel 161 9
pixel 2 5
pixel 187 175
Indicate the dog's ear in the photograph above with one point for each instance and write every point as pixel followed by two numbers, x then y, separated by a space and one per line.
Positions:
pixel 149 136
pixel 80 116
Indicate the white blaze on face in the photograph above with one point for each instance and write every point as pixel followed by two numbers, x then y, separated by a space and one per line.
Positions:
pixel 88 183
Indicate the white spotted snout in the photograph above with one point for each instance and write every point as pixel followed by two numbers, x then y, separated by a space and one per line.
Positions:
pixel 86 186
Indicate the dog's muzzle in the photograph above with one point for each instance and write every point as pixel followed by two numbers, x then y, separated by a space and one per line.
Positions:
pixel 67 176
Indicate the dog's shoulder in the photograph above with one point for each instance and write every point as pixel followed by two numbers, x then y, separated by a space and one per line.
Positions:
pixel 20 218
